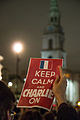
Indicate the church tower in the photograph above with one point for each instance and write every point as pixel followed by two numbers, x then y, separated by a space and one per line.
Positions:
pixel 53 36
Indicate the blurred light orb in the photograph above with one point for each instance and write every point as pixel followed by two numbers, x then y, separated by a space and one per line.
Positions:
pixel 0 77
pixel 78 103
pixel 1 58
pixel 10 84
pixel 24 79
pixel 17 47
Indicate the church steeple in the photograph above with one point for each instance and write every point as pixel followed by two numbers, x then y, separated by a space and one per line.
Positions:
pixel 54 25
pixel 53 37
pixel 54 13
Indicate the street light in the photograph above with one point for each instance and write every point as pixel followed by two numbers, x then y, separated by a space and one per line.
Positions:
pixel 10 84
pixel 17 48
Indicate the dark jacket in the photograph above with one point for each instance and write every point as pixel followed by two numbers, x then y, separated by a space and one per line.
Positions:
pixel 66 112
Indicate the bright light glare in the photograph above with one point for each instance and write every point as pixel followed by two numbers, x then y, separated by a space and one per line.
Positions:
pixel 24 79
pixel 1 58
pixel 78 103
pixel 17 47
pixel 0 77
pixel 10 84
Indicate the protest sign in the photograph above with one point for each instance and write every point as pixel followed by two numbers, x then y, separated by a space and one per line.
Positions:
pixel 37 90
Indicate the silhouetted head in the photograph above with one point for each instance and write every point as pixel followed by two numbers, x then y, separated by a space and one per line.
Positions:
pixel 6 100
pixel 49 116
pixel 31 115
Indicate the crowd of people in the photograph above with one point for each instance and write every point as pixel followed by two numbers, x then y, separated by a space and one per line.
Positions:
pixel 63 112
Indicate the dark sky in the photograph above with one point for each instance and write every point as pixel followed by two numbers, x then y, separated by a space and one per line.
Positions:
pixel 25 20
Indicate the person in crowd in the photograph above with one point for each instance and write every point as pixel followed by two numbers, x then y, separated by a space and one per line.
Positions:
pixel 31 115
pixel 50 116
pixel 65 111
pixel 7 101
pixel 78 115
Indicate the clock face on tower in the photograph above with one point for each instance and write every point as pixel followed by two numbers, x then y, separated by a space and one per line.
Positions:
pixel 50 28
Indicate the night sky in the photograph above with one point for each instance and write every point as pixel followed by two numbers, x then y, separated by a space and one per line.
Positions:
pixel 25 20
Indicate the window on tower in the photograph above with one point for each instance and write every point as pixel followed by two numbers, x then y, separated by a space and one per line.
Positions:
pixel 50 57
pixel 51 19
pixel 50 44
pixel 55 19
pixel 61 44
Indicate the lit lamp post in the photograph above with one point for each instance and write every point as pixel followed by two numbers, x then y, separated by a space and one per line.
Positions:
pixel 17 47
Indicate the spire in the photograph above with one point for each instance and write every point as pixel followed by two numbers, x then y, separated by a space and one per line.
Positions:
pixel 54 25
pixel 54 13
